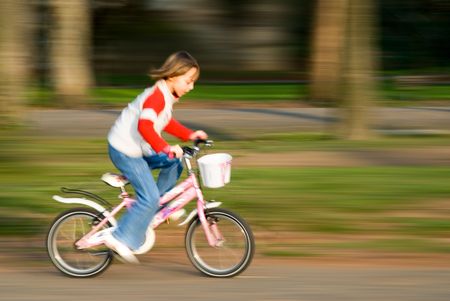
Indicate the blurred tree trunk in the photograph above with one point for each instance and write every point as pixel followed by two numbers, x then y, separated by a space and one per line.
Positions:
pixel 360 66
pixel 327 51
pixel 14 59
pixel 343 62
pixel 70 51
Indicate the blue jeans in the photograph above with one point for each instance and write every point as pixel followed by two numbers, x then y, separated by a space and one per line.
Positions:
pixel 133 224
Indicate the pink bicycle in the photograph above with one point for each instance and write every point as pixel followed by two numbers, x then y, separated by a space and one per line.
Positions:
pixel 218 242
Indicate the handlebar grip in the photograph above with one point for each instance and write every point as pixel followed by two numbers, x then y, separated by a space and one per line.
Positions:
pixel 199 141
pixel 203 141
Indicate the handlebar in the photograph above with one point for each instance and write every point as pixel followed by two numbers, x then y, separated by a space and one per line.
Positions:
pixel 206 143
pixel 189 151
pixel 192 151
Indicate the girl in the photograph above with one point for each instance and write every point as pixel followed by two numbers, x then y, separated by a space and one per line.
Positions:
pixel 136 147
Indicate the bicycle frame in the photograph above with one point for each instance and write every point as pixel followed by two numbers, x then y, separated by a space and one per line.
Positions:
pixel 178 197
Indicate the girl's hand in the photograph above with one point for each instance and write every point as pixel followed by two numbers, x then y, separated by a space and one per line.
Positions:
pixel 198 135
pixel 176 151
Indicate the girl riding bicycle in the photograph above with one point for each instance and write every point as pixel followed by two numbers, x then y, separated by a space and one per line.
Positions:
pixel 136 147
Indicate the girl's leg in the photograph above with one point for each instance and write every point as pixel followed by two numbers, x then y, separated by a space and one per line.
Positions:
pixel 133 225
pixel 170 171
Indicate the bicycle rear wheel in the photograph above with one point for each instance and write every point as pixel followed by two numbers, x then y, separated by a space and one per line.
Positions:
pixel 229 259
pixel 65 231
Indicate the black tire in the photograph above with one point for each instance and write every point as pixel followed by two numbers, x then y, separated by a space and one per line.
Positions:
pixel 229 259
pixel 65 230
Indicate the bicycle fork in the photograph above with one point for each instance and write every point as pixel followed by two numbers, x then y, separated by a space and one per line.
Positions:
pixel 212 232
pixel 191 190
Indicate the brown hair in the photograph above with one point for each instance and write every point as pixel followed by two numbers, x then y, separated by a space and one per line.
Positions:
pixel 176 64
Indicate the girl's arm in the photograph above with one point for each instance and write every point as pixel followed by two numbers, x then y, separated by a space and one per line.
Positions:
pixel 176 129
pixel 147 131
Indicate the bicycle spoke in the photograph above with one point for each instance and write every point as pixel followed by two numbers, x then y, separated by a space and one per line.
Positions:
pixel 228 259
pixel 65 255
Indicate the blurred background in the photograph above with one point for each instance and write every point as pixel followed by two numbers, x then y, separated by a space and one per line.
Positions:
pixel 337 114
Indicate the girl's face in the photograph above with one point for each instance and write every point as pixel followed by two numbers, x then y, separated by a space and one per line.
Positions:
pixel 182 84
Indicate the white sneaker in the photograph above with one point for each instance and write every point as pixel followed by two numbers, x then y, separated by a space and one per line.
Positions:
pixel 111 242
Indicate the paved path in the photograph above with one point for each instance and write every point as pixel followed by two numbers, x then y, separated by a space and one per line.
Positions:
pixel 273 282
pixel 243 122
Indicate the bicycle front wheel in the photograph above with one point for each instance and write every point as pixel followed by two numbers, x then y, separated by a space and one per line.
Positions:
pixel 65 231
pixel 232 256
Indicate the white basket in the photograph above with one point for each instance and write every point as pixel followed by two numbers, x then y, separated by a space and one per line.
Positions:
pixel 215 170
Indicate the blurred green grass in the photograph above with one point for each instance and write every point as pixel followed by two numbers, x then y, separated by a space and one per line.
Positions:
pixel 310 141
pixel 407 204
pixel 267 93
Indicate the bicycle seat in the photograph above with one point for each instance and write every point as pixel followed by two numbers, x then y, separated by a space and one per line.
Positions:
pixel 114 180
